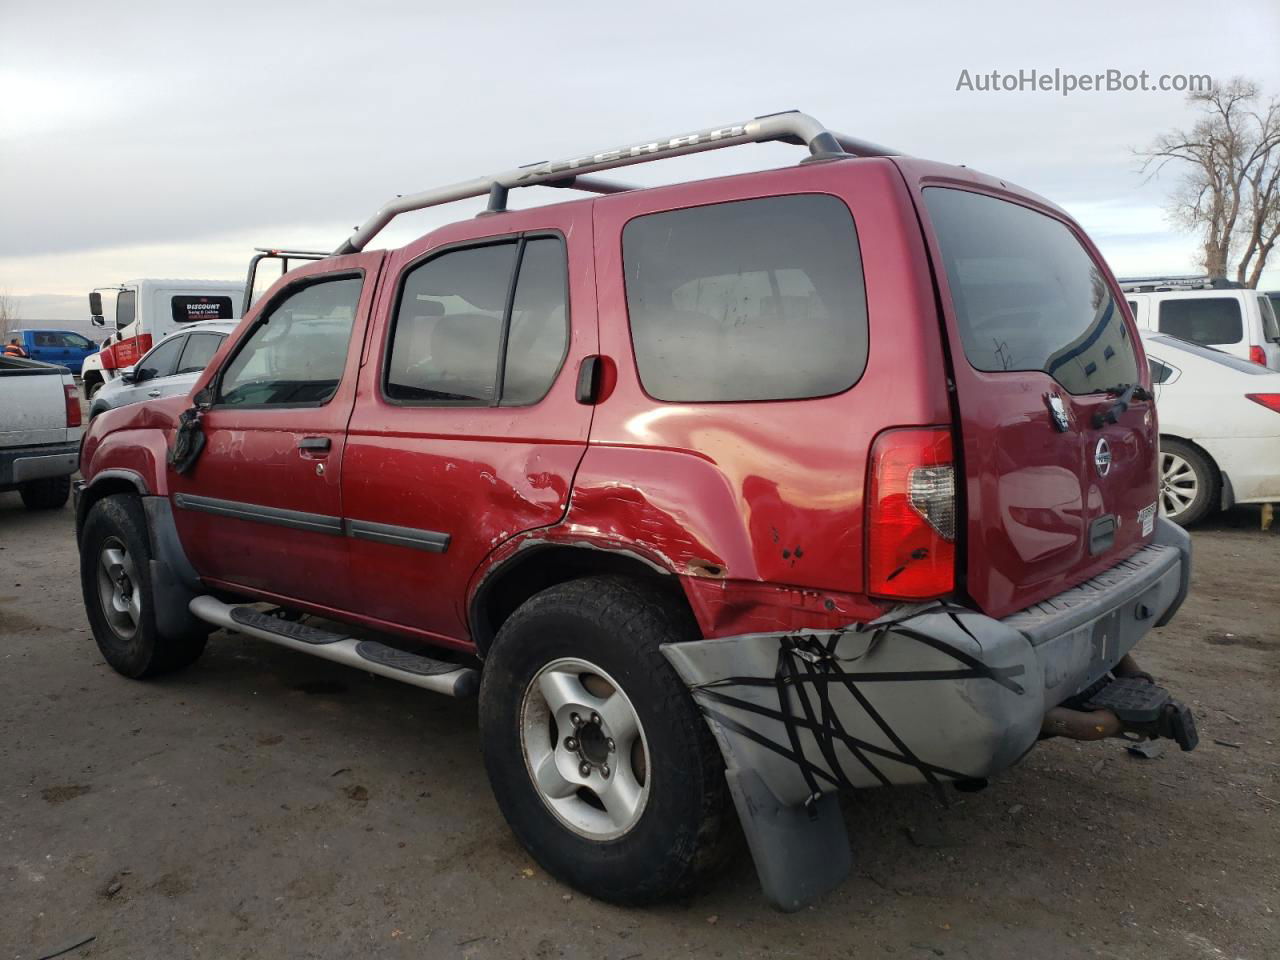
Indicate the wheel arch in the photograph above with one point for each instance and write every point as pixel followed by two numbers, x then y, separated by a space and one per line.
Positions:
pixel 107 483
pixel 1225 496
pixel 538 566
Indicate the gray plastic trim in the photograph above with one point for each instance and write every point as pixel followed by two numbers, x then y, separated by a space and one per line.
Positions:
pixel 295 519
pixel 429 540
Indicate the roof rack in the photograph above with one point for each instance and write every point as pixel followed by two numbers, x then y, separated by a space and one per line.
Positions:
pixel 1165 284
pixel 788 127
pixel 271 253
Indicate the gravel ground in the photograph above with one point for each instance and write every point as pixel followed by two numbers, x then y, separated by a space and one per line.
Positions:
pixel 268 804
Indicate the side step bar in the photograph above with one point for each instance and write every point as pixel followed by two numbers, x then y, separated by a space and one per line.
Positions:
pixel 435 675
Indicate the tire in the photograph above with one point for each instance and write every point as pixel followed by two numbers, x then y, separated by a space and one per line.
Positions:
pixel 613 627
pixel 1189 482
pixel 115 578
pixel 93 390
pixel 51 493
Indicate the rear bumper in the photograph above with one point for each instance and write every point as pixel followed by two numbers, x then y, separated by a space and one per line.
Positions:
pixel 1252 465
pixel 21 464
pixel 925 694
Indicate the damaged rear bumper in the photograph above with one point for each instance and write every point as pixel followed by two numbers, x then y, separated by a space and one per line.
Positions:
pixel 926 694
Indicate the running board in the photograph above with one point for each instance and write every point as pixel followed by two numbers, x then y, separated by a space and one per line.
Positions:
pixel 369 655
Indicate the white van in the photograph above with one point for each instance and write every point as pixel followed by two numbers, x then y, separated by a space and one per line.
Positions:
pixel 147 311
pixel 1232 319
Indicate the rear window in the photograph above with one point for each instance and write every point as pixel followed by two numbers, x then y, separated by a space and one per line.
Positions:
pixel 193 309
pixel 1027 295
pixel 749 300
pixel 1208 320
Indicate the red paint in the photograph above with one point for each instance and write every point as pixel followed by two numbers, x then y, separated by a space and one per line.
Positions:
pixel 757 508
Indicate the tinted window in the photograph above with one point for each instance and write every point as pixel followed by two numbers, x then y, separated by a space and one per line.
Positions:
pixel 1160 372
pixel 1027 295
pixel 160 361
pixel 750 300
pixel 126 307
pixel 298 348
pixel 1217 356
pixel 449 326
pixel 1202 319
pixel 199 351
pixel 192 309
pixel 539 331
pixel 1270 325
pixel 48 340
pixel 77 342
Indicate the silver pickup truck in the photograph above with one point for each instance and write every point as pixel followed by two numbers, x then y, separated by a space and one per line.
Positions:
pixel 39 431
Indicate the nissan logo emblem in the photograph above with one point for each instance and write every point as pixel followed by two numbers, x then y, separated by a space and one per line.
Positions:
pixel 1102 457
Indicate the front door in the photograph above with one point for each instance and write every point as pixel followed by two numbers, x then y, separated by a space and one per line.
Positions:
pixel 261 510
pixel 467 430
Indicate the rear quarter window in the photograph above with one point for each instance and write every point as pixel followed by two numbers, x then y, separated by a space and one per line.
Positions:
pixel 1027 295
pixel 1207 320
pixel 748 300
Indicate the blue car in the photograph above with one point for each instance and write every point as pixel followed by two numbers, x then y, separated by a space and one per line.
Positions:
pixel 66 348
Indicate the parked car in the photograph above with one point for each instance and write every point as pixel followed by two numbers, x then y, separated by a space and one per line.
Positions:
pixel 1218 314
pixel 39 431
pixel 740 491
pixel 147 311
pixel 1219 428
pixel 169 369
pixel 64 348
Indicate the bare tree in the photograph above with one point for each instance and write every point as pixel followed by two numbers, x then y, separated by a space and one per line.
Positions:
pixel 1230 189
pixel 8 315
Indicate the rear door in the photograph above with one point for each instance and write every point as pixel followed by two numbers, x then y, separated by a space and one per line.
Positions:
pixel 261 510
pixel 467 430
pixel 1038 334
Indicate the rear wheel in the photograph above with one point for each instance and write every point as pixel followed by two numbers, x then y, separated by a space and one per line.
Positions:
pixel 115 578
pixel 597 754
pixel 1188 483
pixel 48 494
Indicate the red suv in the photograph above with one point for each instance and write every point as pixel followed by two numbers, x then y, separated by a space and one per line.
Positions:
pixel 737 492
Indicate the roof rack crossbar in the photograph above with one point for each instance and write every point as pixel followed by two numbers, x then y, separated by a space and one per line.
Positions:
pixel 789 127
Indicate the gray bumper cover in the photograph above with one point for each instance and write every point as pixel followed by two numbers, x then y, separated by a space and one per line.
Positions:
pixel 925 694
pixel 23 464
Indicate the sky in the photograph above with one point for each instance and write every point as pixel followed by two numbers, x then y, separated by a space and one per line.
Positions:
pixel 168 139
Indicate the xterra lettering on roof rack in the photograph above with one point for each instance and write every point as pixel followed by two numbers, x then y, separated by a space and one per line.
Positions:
pixel 788 127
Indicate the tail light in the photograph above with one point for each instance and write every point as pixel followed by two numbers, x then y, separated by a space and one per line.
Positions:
pixel 911 515
pixel 1269 400
pixel 1258 355
pixel 73 404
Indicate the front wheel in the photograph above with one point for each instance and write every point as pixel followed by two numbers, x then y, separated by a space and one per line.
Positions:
pixel 597 754
pixel 1188 483
pixel 115 577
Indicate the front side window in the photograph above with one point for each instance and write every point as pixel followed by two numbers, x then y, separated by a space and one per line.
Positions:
pixel 77 342
pixel 1207 320
pixel 126 307
pixel 199 351
pixel 296 352
pixel 748 300
pixel 456 312
pixel 159 362
pixel 1027 295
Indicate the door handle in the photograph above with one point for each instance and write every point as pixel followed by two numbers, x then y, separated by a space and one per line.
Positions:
pixel 153 393
pixel 315 444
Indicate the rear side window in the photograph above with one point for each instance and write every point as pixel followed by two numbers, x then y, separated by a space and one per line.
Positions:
pixel 458 310
pixel 199 351
pixel 296 352
pixel 1208 320
pixel 1270 325
pixel 193 309
pixel 750 300
pixel 1027 295
pixel 1160 371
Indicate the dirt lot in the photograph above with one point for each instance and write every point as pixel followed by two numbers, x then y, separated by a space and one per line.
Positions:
pixel 267 804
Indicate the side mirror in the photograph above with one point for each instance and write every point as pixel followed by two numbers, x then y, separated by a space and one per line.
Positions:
pixel 98 320
pixel 129 376
pixel 95 310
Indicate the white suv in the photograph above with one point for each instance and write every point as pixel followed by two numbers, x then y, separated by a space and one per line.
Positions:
pixel 1234 320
